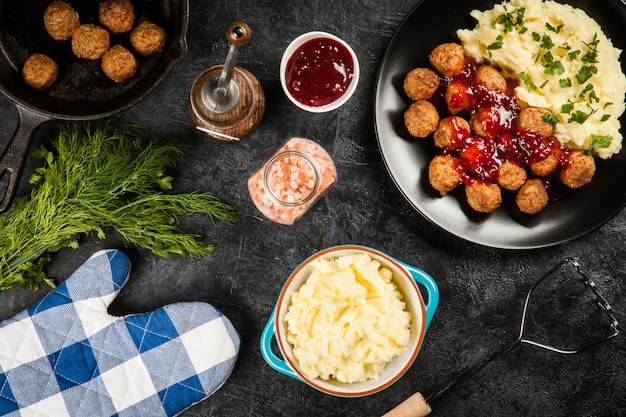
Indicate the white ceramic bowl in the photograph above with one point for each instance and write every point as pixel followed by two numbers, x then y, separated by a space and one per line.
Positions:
pixel 293 47
pixel 406 278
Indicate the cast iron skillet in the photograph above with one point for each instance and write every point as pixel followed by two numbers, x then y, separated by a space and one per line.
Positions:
pixel 81 91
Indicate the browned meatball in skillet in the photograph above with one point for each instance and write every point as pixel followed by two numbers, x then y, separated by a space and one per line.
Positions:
pixel 443 173
pixel 451 132
pixel 490 78
pixel 421 118
pixel 448 59
pixel 60 20
pixel 511 176
pixel 148 38
pixel 483 197
pixel 532 120
pixel 118 63
pixel 579 169
pixel 90 41
pixel 421 84
pixel 40 71
pixel 117 15
pixel 532 197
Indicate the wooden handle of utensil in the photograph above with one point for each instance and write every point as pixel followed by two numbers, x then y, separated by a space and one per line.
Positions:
pixel 238 33
pixel 414 406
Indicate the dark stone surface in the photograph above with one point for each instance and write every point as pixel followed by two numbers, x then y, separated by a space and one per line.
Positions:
pixel 482 289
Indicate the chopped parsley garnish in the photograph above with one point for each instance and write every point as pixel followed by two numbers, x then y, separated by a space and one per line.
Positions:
pixel 572 56
pixel 511 20
pixel 567 107
pixel 590 92
pixel 527 81
pixel 605 117
pixel 495 45
pixel 580 116
pixel 565 82
pixel 554 29
pixel 591 56
pixel 550 118
pixel 601 141
pixel 585 73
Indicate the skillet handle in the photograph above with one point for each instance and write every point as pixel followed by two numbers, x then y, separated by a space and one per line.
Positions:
pixel 14 156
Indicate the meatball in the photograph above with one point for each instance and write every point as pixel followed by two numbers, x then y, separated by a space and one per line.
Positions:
pixel 578 170
pixel 443 173
pixel 511 176
pixel 451 132
pixel 532 197
pixel 40 71
pixel 483 197
pixel 421 84
pixel 491 78
pixel 148 38
pixel 60 20
pixel 458 97
pixel 117 15
pixel 90 41
pixel 532 120
pixel 118 63
pixel 486 122
pixel 448 59
pixel 421 119
pixel 546 166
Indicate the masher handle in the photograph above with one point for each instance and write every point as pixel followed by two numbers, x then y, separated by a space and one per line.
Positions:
pixel 414 406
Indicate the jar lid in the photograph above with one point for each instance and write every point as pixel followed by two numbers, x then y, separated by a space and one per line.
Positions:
pixel 291 178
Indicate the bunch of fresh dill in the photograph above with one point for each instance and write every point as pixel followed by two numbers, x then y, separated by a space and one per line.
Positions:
pixel 100 176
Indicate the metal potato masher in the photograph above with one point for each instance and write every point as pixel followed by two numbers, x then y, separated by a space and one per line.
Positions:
pixel 418 406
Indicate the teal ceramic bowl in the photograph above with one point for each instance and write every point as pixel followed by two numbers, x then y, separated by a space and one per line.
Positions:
pixel 411 281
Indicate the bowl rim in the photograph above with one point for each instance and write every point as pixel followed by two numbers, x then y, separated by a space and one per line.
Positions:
pixel 293 46
pixel 321 385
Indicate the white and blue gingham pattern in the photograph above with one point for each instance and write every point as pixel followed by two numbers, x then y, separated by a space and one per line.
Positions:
pixel 66 356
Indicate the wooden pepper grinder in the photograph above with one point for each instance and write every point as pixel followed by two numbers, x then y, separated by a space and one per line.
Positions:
pixel 226 101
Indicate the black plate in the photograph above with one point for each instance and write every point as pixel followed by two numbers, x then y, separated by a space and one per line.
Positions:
pixel 581 211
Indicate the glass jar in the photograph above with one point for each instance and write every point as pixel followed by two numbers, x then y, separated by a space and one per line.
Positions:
pixel 290 181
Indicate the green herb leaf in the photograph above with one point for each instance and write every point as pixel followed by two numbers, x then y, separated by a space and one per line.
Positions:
pixel 601 141
pixel 572 56
pixel 100 176
pixel 512 20
pixel 527 80
pixel 495 45
pixel 578 117
pixel 550 118
pixel 567 107
pixel 565 82
pixel 585 73
pixel 554 29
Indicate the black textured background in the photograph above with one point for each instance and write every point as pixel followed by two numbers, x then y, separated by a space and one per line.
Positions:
pixel 482 289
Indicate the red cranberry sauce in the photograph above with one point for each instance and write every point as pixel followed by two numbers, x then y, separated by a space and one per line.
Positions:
pixel 481 156
pixel 319 72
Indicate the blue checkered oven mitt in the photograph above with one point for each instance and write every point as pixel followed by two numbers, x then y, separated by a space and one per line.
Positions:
pixel 66 356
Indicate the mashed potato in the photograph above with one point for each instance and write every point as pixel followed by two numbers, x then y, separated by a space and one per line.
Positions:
pixel 563 61
pixel 347 320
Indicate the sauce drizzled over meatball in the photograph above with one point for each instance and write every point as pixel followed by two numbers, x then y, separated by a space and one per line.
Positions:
pixel 489 140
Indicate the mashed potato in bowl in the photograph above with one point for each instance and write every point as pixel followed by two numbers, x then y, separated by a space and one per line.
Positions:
pixel 415 297
pixel 562 61
pixel 348 320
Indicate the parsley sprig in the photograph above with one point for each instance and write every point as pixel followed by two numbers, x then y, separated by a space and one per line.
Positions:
pixel 509 21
